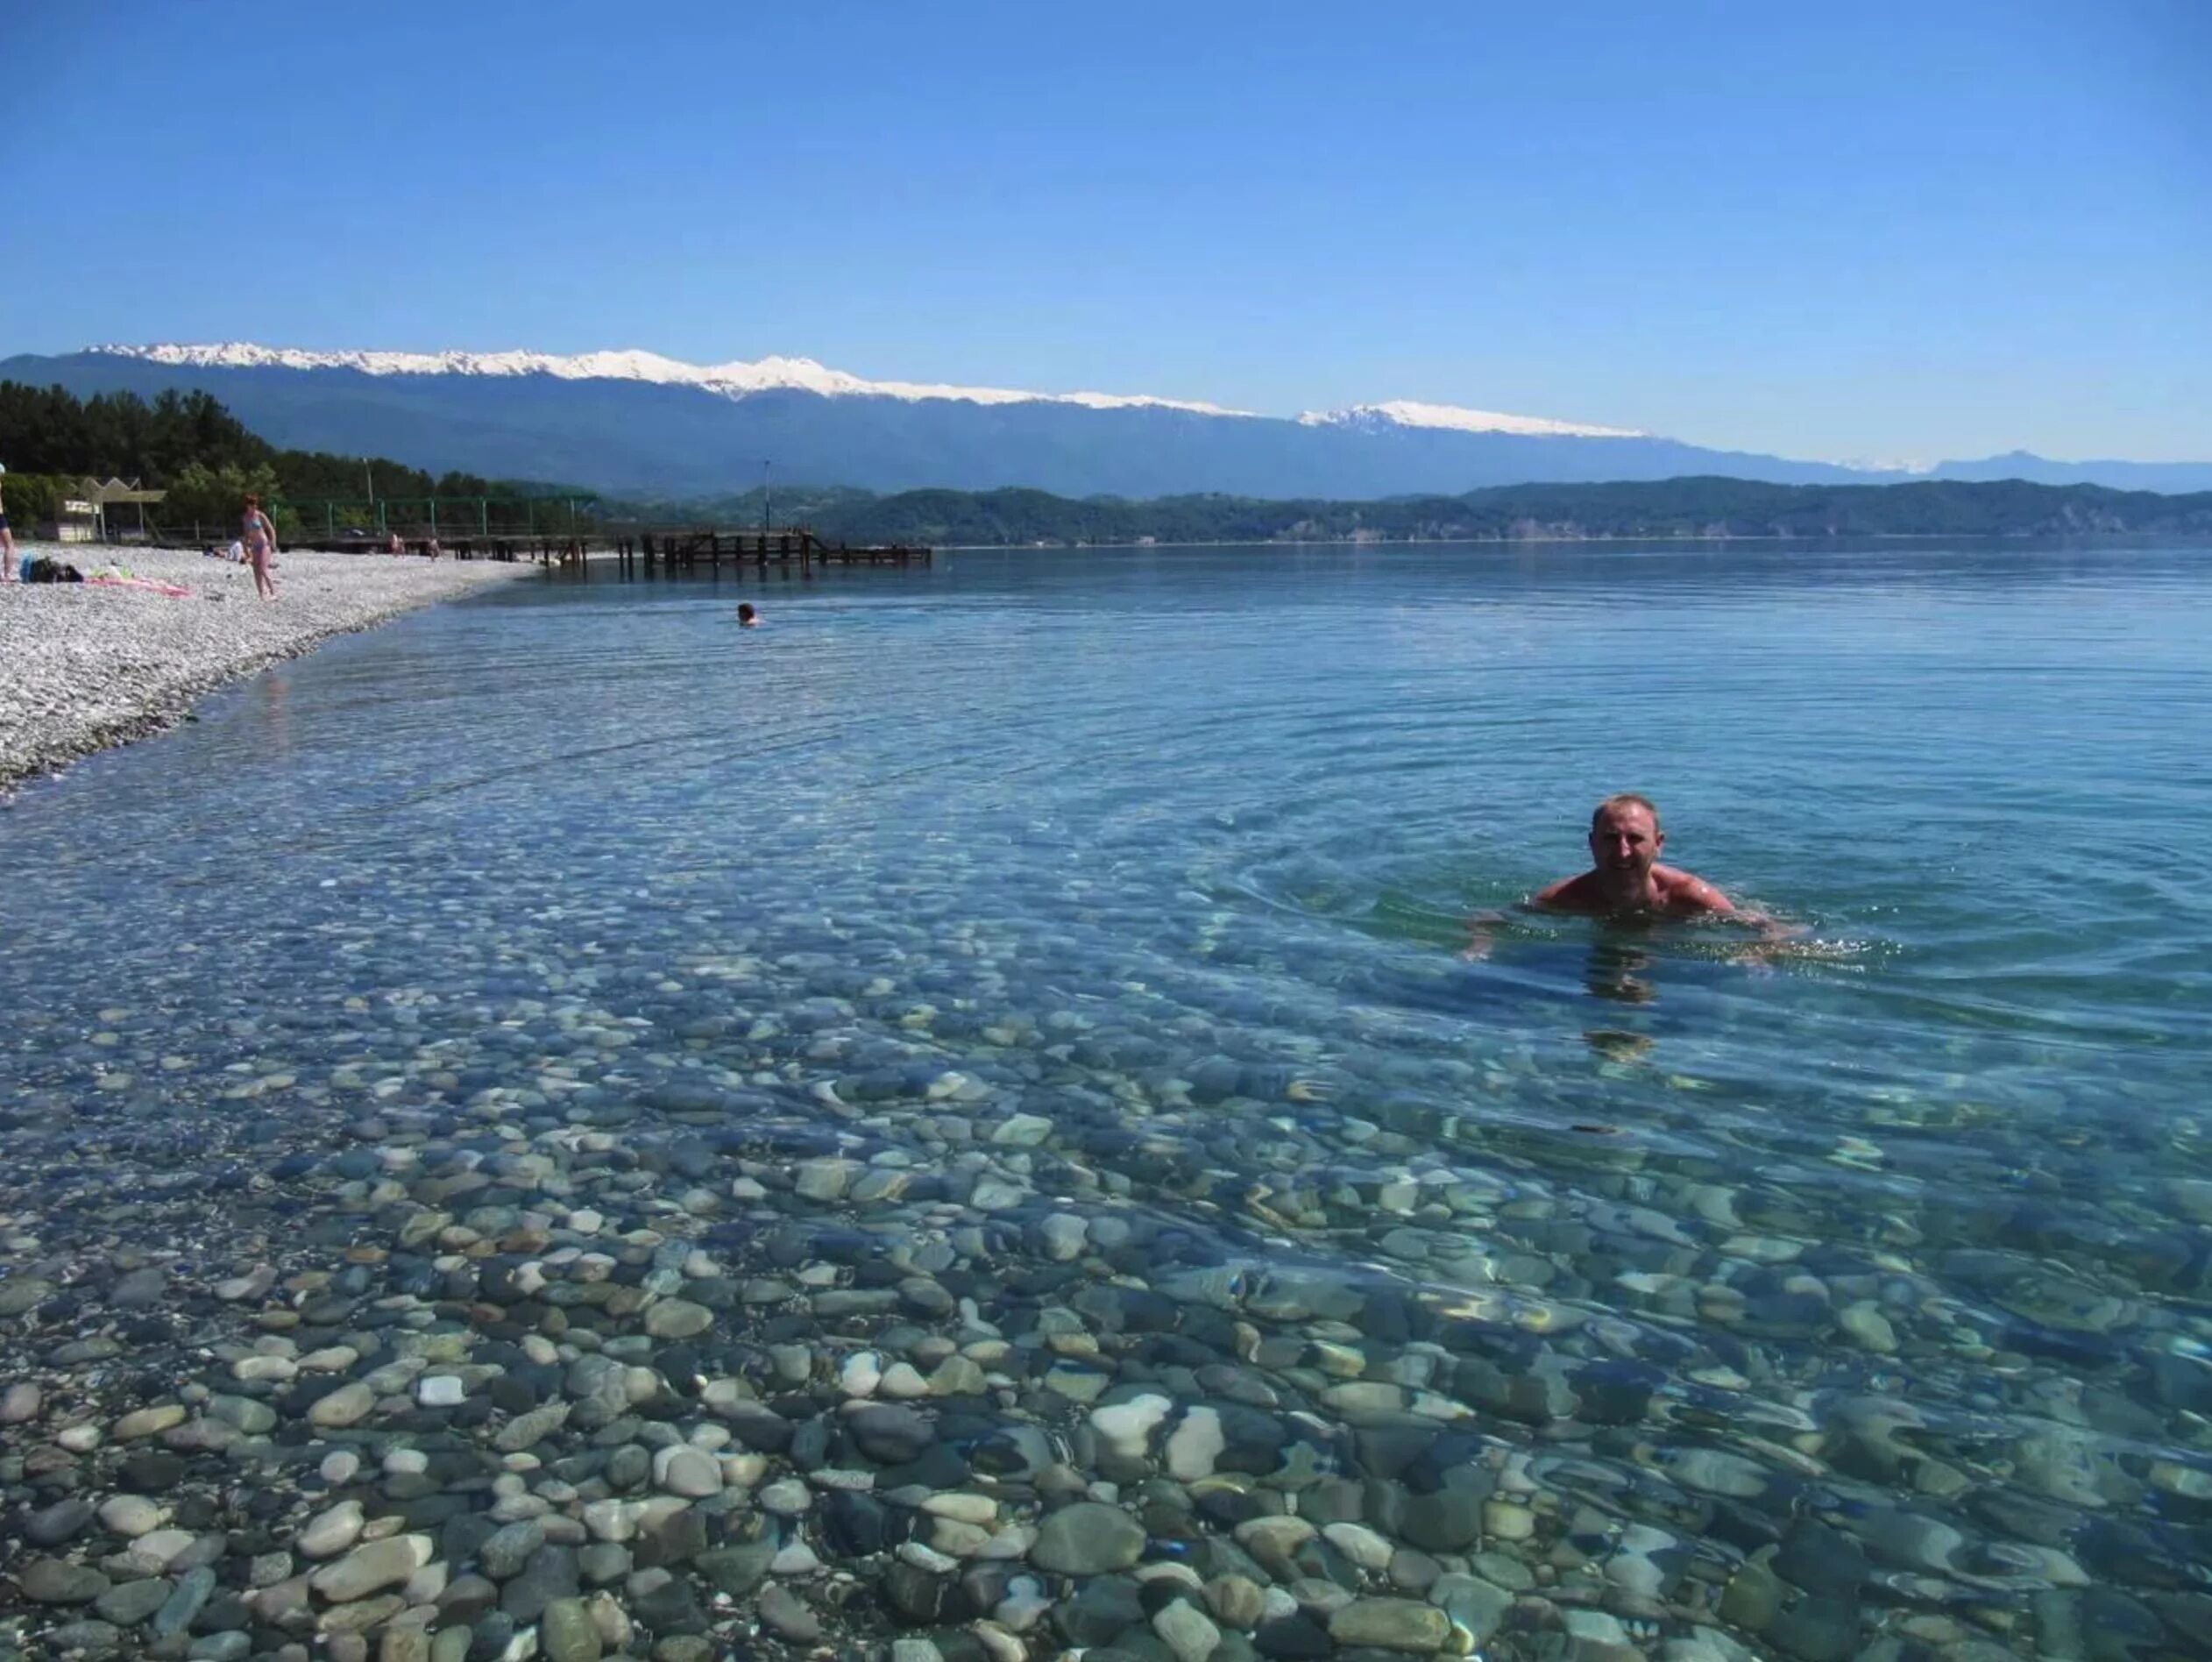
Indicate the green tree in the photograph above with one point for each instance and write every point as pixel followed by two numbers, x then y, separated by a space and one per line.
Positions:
pixel 214 499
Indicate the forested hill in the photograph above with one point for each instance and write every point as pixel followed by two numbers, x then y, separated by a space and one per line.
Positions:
pixel 1675 508
pixel 190 446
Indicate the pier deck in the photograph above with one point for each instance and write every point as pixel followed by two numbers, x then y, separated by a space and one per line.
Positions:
pixel 710 545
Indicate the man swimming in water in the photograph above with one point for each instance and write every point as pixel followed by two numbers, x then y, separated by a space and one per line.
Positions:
pixel 1627 882
pixel 1626 879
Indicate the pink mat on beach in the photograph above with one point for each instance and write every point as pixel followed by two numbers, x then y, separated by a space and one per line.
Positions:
pixel 146 583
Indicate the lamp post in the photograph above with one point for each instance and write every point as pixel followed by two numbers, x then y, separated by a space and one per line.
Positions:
pixel 368 479
pixel 764 502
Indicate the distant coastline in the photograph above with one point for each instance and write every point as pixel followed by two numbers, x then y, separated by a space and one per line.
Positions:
pixel 1556 542
pixel 1677 510
pixel 1727 538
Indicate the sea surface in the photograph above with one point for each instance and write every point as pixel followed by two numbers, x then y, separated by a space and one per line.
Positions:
pixel 1087 930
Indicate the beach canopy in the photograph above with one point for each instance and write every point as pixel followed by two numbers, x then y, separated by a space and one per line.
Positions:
pixel 115 490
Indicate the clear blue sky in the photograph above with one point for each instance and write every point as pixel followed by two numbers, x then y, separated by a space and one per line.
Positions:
pixel 1867 230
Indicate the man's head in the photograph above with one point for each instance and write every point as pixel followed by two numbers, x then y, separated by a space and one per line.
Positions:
pixel 1625 840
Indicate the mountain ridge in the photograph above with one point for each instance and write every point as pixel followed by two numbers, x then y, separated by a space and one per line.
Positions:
pixel 635 421
pixel 736 379
pixel 741 378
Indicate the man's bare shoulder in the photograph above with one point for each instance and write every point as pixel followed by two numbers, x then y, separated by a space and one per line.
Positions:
pixel 1685 891
pixel 1578 893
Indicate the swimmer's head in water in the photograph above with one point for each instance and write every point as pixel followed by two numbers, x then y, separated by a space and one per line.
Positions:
pixel 1624 800
pixel 746 614
pixel 1625 839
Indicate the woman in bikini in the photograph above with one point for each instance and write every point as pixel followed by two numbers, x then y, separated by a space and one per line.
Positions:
pixel 260 542
pixel 7 544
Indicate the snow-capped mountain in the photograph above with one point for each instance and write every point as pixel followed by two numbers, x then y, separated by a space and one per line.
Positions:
pixel 1449 417
pixel 739 379
pixel 736 380
pixel 636 421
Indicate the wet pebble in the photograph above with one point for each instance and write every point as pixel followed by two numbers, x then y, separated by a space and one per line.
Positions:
pixel 1087 1538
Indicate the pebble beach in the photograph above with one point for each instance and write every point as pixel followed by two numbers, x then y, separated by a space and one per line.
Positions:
pixel 84 667
pixel 853 1352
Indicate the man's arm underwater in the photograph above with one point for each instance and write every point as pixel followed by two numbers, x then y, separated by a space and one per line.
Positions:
pixel 1687 896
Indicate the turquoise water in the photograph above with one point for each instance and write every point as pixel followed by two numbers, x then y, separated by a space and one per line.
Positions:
pixel 1171 848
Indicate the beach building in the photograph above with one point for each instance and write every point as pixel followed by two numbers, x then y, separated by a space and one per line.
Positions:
pixel 88 514
pixel 76 521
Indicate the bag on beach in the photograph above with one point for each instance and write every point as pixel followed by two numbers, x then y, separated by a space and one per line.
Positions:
pixel 44 569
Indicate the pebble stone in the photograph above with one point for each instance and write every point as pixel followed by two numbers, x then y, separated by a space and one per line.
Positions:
pixel 1390 1624
pixel 131 1514
pixel 1087 1538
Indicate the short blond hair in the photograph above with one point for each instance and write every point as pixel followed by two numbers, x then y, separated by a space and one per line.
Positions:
pixel 1624 800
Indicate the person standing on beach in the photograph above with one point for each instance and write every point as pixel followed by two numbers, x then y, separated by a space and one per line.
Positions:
pixel 260 537
pixel 7 536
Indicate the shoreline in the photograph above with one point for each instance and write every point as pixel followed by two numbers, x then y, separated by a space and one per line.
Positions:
pixel 1656 538
pixel 1545 542
pixel 84 668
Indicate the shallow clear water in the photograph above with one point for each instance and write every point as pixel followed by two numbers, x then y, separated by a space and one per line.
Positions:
pixel 1174 849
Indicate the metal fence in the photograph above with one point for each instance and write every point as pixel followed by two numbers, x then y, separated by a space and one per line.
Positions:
pixel 445 516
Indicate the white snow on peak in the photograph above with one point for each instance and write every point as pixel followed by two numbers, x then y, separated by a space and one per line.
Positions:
pixel 731 379
pixel 1406 412
pixel 1913 465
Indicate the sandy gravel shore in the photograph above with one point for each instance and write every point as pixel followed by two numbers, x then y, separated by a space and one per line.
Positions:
pixel 83 667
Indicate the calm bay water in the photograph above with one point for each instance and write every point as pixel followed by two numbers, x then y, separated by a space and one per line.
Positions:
pixel 1902 1232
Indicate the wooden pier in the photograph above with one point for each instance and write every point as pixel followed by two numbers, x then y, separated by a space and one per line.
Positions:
pixel 798 547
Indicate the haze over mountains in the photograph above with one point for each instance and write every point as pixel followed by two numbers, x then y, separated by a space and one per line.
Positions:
pixel 638 423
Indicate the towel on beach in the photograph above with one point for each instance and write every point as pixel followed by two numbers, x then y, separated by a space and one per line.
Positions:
pixel 146 583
